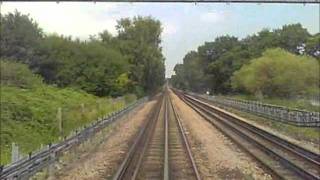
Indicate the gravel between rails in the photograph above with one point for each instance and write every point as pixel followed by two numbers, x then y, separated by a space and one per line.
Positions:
pixel 215 155
pixel 103 162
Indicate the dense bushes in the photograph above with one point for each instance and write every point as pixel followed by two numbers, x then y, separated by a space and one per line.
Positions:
pixel 29 109
pixel 126 65
pixel 19 75
pixel 29 116
pixel 104 65
pixel 88 66
pixel 279 73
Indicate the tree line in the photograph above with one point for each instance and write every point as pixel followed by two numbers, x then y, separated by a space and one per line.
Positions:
pixel 282 63
pixel 103 65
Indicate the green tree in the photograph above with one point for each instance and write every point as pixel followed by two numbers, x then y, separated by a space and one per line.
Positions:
pixel 139 40
pixel 103 65
pixel 216 61
pixel 259 42
pixel 20 37
pixel 94 69
pixel 178 79
pixel 279 73
pixel 313 46
pixel 211 51
pixel 55 52
pixel 194 77
pixel 18 75
pixel 221 70
pixel 291 36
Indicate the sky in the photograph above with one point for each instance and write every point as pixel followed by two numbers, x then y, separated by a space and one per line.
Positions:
pixel 185 25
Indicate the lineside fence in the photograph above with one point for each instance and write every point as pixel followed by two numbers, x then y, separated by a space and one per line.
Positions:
pixel 35 161
pixel 278 113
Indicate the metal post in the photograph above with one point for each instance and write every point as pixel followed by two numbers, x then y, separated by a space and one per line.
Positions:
pixel 51 166
pixel 82 110
pixel 59 118
pixel 14 152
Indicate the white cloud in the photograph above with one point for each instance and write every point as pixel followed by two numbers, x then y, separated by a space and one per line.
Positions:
pixel 213 17
pixel 169 29
pixel 75 19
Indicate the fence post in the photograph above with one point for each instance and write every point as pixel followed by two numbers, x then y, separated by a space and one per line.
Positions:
pixel 113 105
pixel 82 108
pixel 14 153
pixel 59 118
pixel 50 169
pixel 82 111
pixel 98 105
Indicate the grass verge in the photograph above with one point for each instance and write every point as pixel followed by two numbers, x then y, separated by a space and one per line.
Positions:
pixel 29 117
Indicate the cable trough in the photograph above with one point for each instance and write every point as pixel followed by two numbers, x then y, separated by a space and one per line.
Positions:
pixel 283 159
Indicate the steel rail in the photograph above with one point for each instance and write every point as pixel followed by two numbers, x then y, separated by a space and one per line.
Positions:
pixel 185 141
pixel 310 156
pixel 268 168
pixel 128 166
pixel 132 163
pixel 300 171
pixel 166 144
pixel 309 119
pixel 153 125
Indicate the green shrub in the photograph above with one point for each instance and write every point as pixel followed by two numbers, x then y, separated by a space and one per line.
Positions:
pixel 129 98
pixel 279 73
pixel 19 75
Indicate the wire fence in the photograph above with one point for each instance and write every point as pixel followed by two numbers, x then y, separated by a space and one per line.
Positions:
pixel 278 113
pixel 35 161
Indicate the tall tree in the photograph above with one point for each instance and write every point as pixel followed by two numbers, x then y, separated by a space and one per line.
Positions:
pixel 291 36
pixel 140 40
pixel 20 37
pixel 313 46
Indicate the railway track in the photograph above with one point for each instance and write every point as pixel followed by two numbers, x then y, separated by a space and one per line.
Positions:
pixel 161 149
pixel 282 158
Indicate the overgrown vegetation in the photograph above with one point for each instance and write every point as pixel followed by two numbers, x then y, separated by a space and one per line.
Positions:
pixel 18 75
pixel 279 73
pixel 42 73
pixel 29 109
pixel 131 62
pixel 278 63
